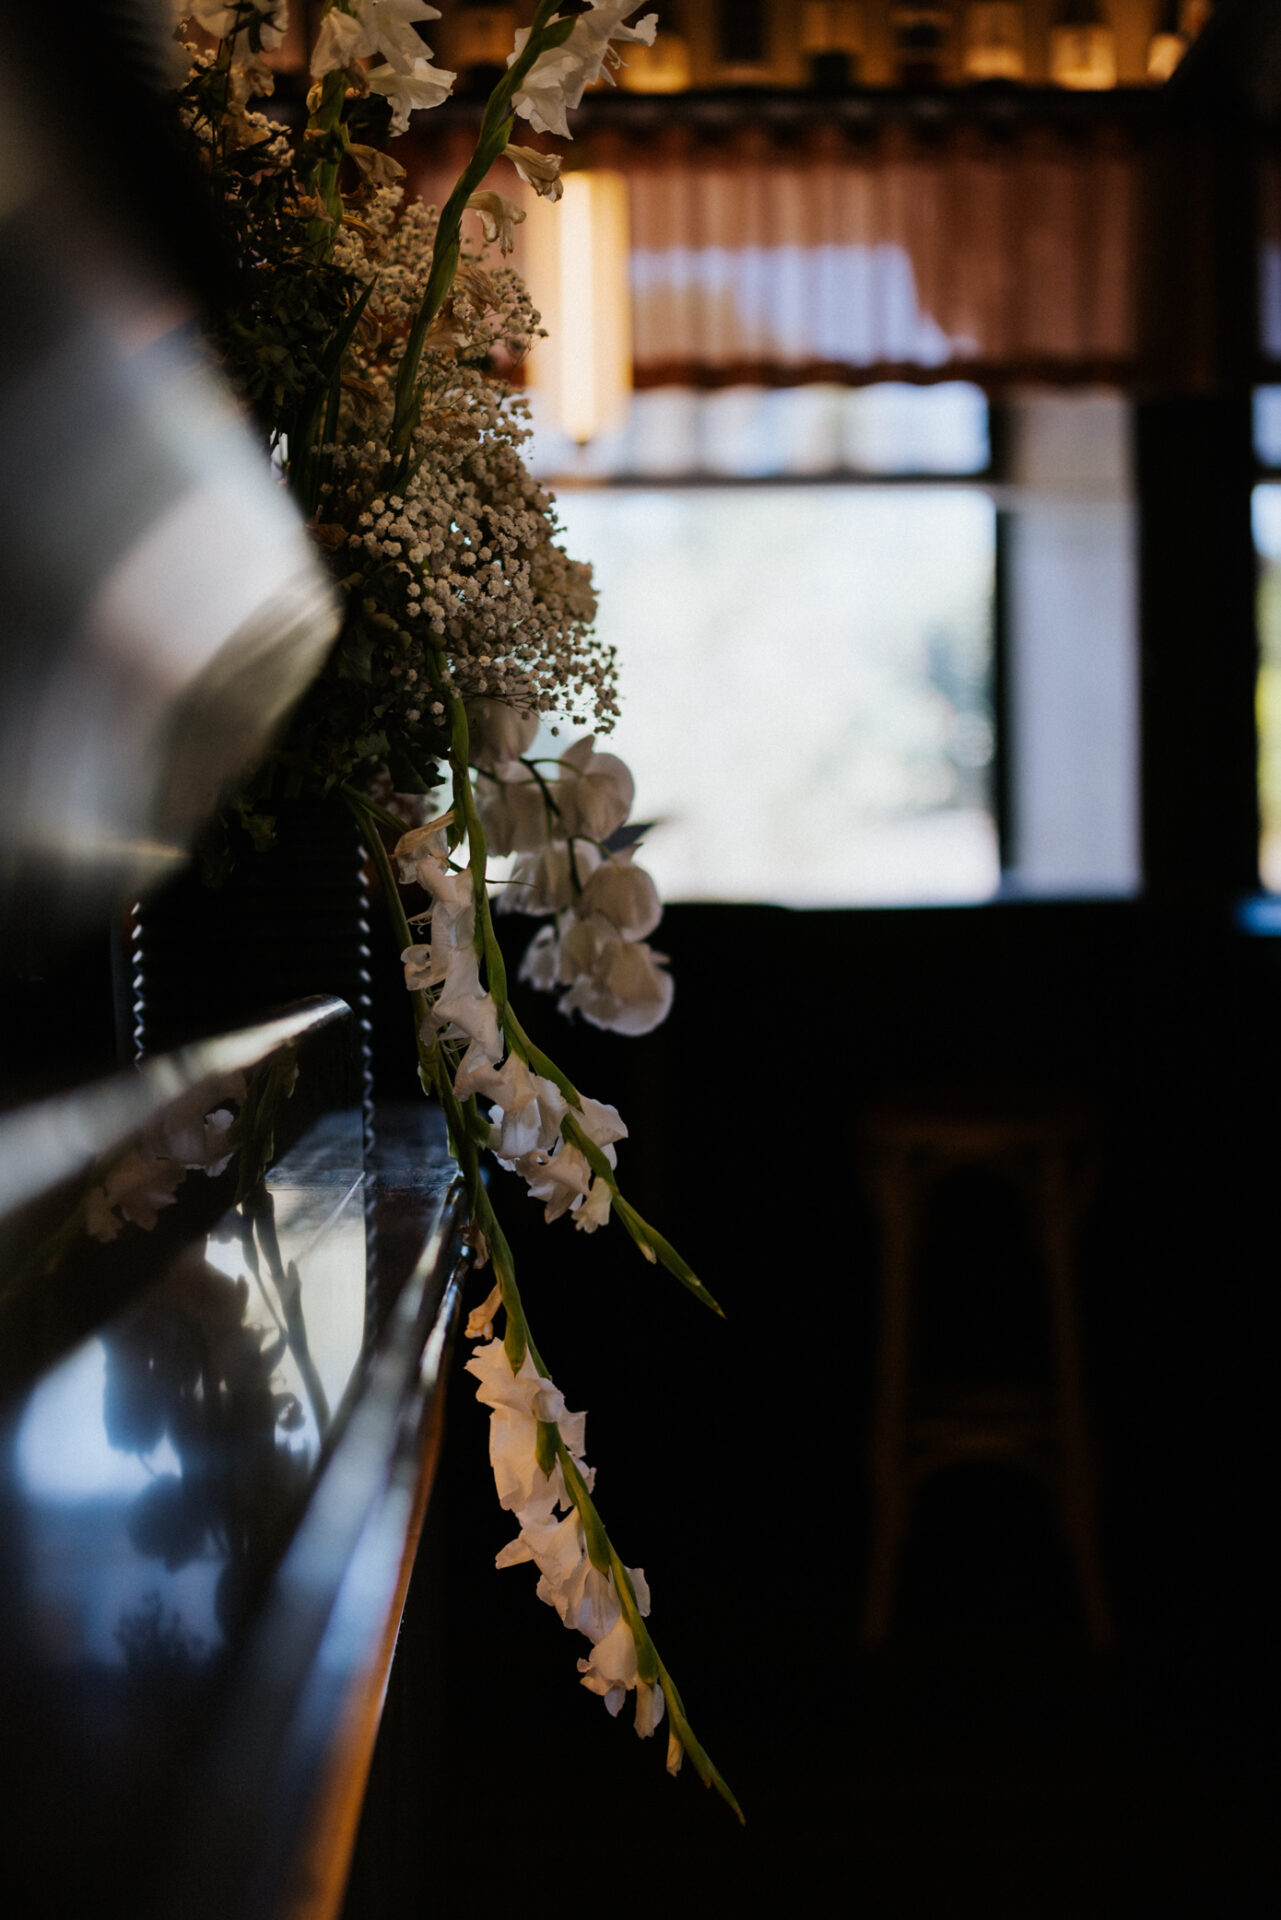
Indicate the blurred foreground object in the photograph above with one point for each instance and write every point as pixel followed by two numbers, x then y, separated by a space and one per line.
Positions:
pixel 162 607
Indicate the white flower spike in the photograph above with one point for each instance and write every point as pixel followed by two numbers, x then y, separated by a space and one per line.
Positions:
pixel 557 79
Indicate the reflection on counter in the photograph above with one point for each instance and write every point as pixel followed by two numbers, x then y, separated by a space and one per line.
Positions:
pixel 185 1435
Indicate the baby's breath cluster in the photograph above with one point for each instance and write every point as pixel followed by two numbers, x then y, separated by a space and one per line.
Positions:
pixel 448 551
pixel 466 550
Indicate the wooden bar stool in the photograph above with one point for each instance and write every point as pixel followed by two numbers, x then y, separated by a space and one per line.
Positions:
pixel 1045 1147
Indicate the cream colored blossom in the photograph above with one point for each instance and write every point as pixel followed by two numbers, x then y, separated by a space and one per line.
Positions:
pixel 594 1212
pixel 512 1085
pixel 541 964
pixel 548 881
pixel 557 79
pixel 621 984
pixel 560 1180
pixel 463 1009
pixel 623 894
pixel 586 1599
pixel 424 86
pixel 594 792
pixel 497 733
pixel 219 20
pixel 499 217
pixel 541 171
pixel 611 1669
pixel 480 1321
pixel 515 816
pixel 363 28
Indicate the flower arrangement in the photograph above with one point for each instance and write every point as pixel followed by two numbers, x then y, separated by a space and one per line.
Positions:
pixel 371 336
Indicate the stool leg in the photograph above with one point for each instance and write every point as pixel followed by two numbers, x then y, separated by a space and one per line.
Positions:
pixel 890 1487
pixel 1076 1470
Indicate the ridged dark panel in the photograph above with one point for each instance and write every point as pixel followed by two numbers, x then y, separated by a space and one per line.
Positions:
pixel 287 923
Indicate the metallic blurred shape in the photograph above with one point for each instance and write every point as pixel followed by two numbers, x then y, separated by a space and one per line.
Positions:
pixel 161 607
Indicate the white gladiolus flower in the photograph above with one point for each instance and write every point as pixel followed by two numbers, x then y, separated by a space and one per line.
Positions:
pixel 422 854
pixel 369 27
pixel 406 93
pixel 554 1545
pixel 556 1172
pixel 499 217
pixel 513 813
pixel 601 1123
pixel 589 1600
pixel 480 1321
pixel 518 1402
pixel 585 1598
pixel 250 78
pixel 594 792
pixel 649 1708
pixel 220 20
pixel 611 1671
pixel 453 924
pixel 541 171
pixel 558 77
pixel 393 29
pixel 496 731
pixel 544 882
pixel 624 895
pixel 594 1211
pixel 521 1484
pixel 560 1180
pixel 541 965
pixel 622 988
pixel 463 1009
pixel 420 972
pixel 513 1137
pixel 554 83
pixel 512 1085
pixel 343 37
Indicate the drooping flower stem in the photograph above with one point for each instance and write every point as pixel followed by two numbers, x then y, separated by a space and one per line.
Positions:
pixel 517 1338
pixel 325 136
pixel 605 1558
pixel 652 1244
pixel 490 142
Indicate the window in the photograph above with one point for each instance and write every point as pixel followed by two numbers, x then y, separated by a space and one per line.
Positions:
pixel 807 677
pixel 802 588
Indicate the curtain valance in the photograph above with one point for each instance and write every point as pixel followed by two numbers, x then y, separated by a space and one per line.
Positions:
pixel 988 251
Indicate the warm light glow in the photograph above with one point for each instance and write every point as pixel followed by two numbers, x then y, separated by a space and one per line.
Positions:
pixel 577 265
pixel 662 68
pixel 482 36
pixel 994 40
pixel 831 26
pixel 1083 57
pixel 1165 50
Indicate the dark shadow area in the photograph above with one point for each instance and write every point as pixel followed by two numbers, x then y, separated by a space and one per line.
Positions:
pixel 985 1761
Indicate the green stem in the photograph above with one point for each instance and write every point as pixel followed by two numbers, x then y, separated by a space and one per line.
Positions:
pixel 494 130
pixel 648 1664
pixel 478 852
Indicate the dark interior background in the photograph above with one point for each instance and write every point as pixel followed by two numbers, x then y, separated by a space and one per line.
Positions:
pixel 986 1762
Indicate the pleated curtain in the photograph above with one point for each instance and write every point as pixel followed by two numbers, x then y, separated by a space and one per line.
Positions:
pixel 896 251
